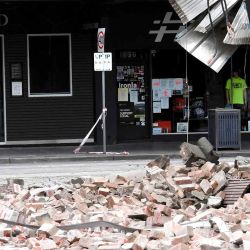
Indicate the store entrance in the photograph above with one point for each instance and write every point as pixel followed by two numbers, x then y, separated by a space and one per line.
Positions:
pixel 173 101
pixel 132 95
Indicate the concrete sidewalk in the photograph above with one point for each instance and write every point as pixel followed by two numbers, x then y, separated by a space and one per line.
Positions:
pixel 122 151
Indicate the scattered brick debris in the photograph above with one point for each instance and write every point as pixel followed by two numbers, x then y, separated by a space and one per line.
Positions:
pixel 172 207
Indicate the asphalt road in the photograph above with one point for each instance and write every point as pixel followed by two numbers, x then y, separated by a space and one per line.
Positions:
pixel 57 172
pixel 85 168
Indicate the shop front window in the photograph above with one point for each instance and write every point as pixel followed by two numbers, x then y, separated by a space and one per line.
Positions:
pixel 49 65
pixel 177 106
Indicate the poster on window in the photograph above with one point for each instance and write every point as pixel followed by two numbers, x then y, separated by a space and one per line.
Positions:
pixel 157 94
pixel 165 103
pixel 178 84
pixel 156 107
pixel 156 83
pixel 126 113
pixel 122 94
pixel 182 127
pixel 139 113
pixel 171 83
pixel 16 71
pixel 120 74
pixel 166 92
pixel 164 83
pixel 133 95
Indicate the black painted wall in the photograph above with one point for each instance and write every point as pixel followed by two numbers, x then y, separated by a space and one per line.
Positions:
pixel 46 118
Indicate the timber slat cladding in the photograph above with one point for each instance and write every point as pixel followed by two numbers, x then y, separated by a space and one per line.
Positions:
pixel 45 118
pixel 234 190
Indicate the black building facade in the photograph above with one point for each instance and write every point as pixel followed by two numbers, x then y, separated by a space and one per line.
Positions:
pixel 51 93
pixel 148 78
pixel 46 71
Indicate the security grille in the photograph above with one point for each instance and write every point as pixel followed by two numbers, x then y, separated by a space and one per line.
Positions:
pixel 224 128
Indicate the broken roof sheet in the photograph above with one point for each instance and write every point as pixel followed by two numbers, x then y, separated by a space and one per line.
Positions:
pixel 203 46
pixel 240 32
pixel 216 15
pixel 187 10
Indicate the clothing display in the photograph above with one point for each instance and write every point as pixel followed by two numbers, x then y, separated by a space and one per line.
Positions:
pixel 237 93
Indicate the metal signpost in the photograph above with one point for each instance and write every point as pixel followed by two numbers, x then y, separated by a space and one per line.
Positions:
pixel 102 62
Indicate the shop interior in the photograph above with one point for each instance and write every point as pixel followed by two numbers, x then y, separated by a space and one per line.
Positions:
pixel 203 90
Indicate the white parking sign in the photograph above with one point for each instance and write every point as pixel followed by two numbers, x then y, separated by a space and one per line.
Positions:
pixel 103 61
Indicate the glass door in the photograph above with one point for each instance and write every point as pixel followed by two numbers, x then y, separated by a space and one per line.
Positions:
pixel 132 97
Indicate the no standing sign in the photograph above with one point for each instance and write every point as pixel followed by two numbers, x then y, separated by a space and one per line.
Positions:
pixel 100 40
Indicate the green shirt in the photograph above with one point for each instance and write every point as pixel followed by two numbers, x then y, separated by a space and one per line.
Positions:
pixel 239 86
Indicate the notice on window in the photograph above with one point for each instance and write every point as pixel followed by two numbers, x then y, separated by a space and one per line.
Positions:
pixel 16 71
pixel 156 107
pixel 139 113
pixel 156 94
pixel 165 103
pixel 133 95
pixel 164 83
pixel 16 88
pixel 156 83
pixel 178 84
pixel 166 92
pixel 126 113
pixel 171 83
pixel 122 95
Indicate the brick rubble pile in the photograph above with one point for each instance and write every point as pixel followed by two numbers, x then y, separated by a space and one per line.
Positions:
pixel 172 207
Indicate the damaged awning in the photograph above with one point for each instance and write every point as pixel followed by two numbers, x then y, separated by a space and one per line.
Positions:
pixel 203 46
pixel 240 30
pixel 216 15
pixel 187 10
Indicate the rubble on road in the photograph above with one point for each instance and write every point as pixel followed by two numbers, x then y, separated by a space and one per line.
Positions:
pixel 172 207
pixel 198 154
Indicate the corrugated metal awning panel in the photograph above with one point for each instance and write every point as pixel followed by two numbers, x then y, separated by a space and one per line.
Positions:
pixel 240 33
pixel 216 15
pixel 187 10
pixel 203 47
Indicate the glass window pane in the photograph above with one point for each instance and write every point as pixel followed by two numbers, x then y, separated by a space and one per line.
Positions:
pixel 49 64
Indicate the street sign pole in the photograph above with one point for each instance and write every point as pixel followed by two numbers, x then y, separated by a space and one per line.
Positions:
pixel 104 113
pixel 100 48
pixel 103 62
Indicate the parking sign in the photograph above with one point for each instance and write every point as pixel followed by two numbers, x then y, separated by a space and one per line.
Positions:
pixel 103 61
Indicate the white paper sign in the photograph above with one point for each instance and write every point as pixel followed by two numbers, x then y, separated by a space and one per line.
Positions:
pixel 157 94
pixel 171 83
pixel 165 103
pixel 156 107
pixel 17 89
pixel 166 92
pixel 156 83
pixel 164 83
pixel 103 61
pixel 133 95
pixel 179 84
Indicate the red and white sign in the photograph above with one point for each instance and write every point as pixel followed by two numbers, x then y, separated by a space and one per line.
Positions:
pixel 100 40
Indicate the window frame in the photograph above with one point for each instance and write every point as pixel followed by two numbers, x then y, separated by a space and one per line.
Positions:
pixel 70 66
